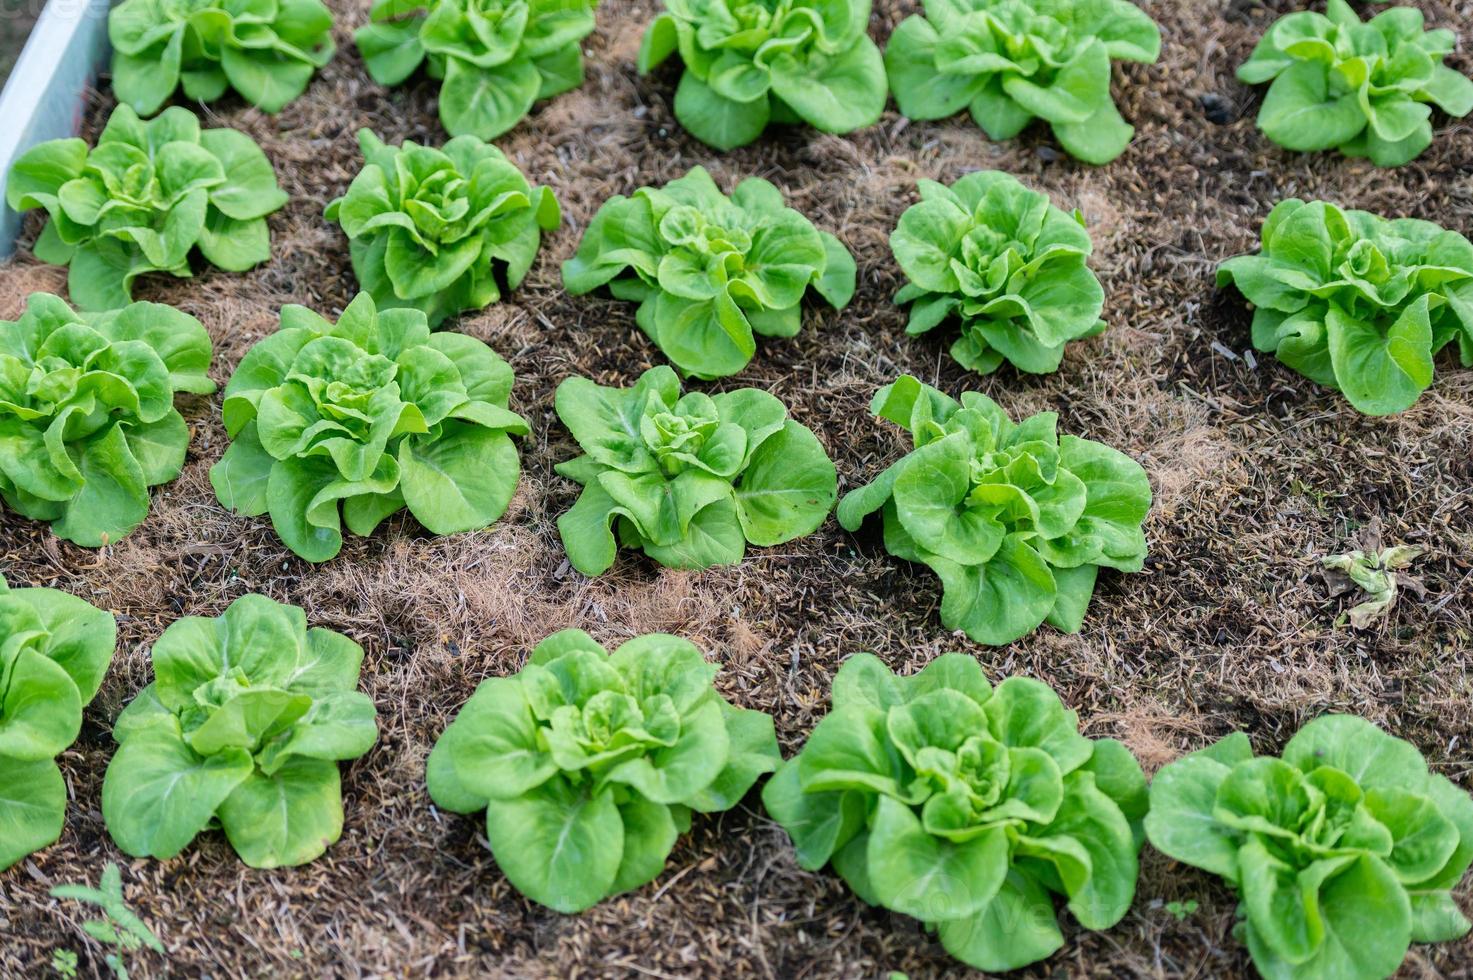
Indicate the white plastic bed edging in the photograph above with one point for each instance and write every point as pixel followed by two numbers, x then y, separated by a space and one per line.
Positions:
pixel 47 92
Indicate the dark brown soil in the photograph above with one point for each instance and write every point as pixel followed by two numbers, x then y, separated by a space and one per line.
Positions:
pixel 1256 472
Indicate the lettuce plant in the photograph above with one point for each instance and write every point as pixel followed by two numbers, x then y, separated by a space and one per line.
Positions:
pixel 1366 89
pixel 266 50
pixel 589 763
pixel 372 413
pixel 691 480
pixel 940 797
pixel 781 61
pixel 87 417
pixel 435 229
pixel 1342 851
pixel 1015 519
pixel 244 724
pixel 1003 261
pixel 1356 302
pixel 494 58
pixel 143 199
pixel 1010 61
pixel 54 651
pixel 707 270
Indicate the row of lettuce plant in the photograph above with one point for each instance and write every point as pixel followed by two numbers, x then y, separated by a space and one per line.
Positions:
pixel 1364 88
pixel 349 422
pixel 437 230
pixel 936 796
pixel 969 807
pixel 1353 301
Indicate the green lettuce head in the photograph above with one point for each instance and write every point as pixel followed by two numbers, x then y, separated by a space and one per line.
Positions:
pixel 495 58
pixel 1015 519
pixel 1006 264
pixel 1356 302
pixel 710 271
pixel 242 728
pixel 1011 61
pixel 143 198
pixel 437 230
pixel 940 797
pixel 589 763
pixel 689 479
pixel 54 651
pixel 781 61
pixel 87 417
pixel 350 422
pixel 1366 89
pixel 1343 850
pixel 266 50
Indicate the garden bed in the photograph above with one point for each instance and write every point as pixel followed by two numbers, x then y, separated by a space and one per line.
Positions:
pixel 1257 472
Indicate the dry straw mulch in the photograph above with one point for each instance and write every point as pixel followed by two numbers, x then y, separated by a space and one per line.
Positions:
pixel 1256 473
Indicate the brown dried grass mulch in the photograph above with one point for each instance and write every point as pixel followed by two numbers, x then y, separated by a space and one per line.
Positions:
pixel 1256 473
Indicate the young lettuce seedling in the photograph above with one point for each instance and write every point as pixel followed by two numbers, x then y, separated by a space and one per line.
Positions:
pixel 689 479
pixel 54 651
pixel 710 271
pixel 434 229
pixel 243 727
pixel 965 806
pixel 589 763
pixel 87 412
pixel 1011 61
pixel 353 421
pixel 1015 519
pixel 1356 302
pixel 1006 264
pixel 494 58
pixel 1343 850
pixel 143 199
pixel 1365 89
pixel 751 64
pixel 266 50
